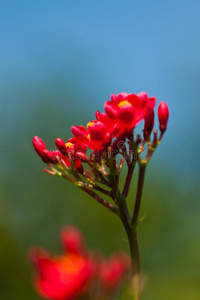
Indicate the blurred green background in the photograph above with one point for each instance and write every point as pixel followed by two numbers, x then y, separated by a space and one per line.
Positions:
pixel 59 62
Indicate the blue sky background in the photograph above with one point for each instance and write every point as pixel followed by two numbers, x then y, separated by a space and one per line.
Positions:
pixel 105 47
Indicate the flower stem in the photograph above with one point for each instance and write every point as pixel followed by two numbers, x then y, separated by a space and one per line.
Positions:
pixel 131 226
pixel 133 244
pixel 135 262
pixel 128 180
pixel 139 194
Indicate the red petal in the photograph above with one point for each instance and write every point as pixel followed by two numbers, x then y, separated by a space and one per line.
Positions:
pixel 126 114
pixel 97 131
pixel 72 240
pixel 142 96
pixel 111 110
pixel 121 96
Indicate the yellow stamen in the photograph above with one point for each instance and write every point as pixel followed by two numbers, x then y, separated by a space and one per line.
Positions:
pixel 68 145
pixel 90 124
pixel 123 103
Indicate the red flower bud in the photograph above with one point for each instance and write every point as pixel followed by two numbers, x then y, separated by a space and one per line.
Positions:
pixel 148 123
pixel 51 157
pixel 163 115
pixel 82 156
pixel 79 167
pixel 39 146
pixel 66 160
pixel 60 144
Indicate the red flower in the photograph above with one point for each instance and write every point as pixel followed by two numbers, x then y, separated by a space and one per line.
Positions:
pixel 73 147
pixel 70 149
pixel 63 277
pixel 112 271
pixel 127 110
pixel 77 272
pixel 110 124
pixel 97 137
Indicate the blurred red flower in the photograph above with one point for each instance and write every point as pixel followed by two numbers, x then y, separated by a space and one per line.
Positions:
pixel 77 272
pixel 66 276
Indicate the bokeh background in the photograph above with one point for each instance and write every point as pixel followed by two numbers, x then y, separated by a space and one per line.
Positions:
pixel 59 62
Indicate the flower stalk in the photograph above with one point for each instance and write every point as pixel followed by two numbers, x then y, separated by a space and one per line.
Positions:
pixel 139 193
pixel 111 134
pixel 130 226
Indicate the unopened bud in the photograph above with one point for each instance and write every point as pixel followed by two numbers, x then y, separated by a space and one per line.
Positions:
pixel 148 124
pixel 79 167
pixel 163 115
pixel 39 146
pixel 60 144
pixel 82 156
pixel 50 156
pixel 55 157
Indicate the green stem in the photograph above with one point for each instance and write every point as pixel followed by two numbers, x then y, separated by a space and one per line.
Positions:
pixel 128 180
pixel 131 230
pixel 139 193
pixel 133 244
pixel 135 262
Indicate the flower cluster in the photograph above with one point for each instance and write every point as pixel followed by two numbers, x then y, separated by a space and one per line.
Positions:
pixel 108 132
pixel 77 272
